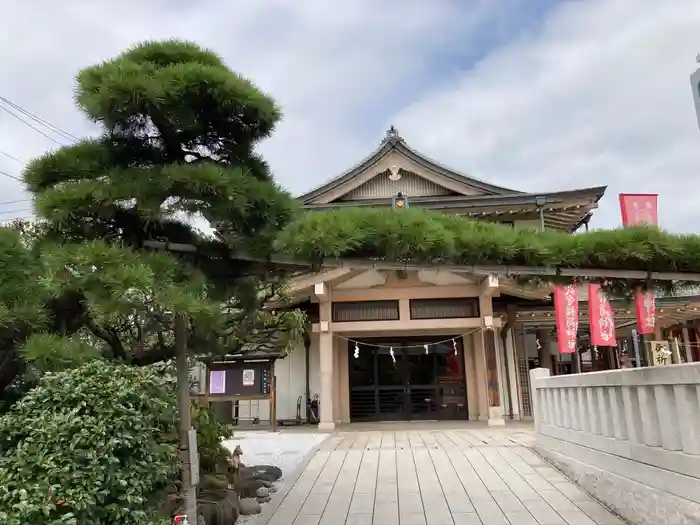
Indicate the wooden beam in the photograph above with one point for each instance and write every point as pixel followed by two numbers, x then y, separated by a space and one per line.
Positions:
pixel 320 292
pixel 499 270
pixel 489 286
pixel 307 281
pixel 508 271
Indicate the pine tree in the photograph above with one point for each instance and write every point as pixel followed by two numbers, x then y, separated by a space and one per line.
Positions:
pixel 178 144
pixel 178 147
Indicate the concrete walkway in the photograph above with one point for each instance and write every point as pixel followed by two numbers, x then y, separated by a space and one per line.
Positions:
pixel 463 476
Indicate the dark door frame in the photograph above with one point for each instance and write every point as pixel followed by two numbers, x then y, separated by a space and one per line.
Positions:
pixel 405 389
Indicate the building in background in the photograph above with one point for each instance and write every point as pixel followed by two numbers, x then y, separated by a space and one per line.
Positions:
pixel 394 344
pixel 390 344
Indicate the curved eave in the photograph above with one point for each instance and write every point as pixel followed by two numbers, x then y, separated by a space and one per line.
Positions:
pixel 397 144
pixel 563 210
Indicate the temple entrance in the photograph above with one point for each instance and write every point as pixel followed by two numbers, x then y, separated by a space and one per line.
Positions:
pixel 411 385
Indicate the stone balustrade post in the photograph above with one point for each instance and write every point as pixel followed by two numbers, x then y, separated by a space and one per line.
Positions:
pixel 538 398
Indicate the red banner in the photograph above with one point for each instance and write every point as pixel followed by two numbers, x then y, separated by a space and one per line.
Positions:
pixel 639 208
pixel 646 312
pixel 601 317
pixel 566 311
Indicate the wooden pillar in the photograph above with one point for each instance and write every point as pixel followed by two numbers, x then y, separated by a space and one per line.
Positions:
pixel 470 371
pixel 544 353
pixel 326 359
pixel 686 344
pixel 489 287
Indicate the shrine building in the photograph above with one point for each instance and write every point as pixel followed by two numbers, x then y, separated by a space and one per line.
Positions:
pixel 389 344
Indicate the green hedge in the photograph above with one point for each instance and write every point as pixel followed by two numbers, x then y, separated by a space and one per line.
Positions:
pixel 96 444
pixel 420 236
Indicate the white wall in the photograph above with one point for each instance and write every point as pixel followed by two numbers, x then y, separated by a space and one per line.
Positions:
pixel 291 383
pixel 314 367
pixel 291 380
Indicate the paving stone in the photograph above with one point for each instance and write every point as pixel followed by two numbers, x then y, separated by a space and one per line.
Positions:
pixel 412 519
pixel 307 519
pixel 314 504
pixel 577 518
pixel 507 501
pixel 435 477
pixel 358 519
pixel 599 514
pixel 466 518
pixel 362 504
pixel 459 502
pixel 543 513
pixel 490 513
pixel 521 518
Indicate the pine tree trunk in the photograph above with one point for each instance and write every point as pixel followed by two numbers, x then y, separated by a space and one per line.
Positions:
pixel 189 492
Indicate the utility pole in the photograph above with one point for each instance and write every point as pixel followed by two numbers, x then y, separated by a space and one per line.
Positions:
pixel 188 442
pixel 695 85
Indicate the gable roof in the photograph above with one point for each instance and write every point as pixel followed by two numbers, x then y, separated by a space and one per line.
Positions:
pixel 393 142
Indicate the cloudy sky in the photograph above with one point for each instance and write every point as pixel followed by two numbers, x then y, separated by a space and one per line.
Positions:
pixel 531 94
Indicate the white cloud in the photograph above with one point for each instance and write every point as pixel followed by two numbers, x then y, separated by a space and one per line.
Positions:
pixel 596 93
pixel 599 94
pixel 325 63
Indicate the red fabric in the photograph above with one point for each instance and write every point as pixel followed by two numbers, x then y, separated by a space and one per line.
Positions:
pixel 646 312
pixel 601 318
pixel 638 208
pixel 566 312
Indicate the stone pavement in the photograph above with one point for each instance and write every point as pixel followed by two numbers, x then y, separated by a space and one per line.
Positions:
pixel 285 450
pixel 461 476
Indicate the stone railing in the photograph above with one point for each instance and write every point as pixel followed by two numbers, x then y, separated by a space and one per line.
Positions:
pixel 631 438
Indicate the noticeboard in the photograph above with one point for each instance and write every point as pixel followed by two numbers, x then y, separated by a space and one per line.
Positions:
pixel 240 378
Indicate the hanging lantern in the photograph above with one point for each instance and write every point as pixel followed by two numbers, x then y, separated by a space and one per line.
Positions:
pixel 357 351
pixel 454 346
pixel 399 201
pixel 392 354
pixel 426 349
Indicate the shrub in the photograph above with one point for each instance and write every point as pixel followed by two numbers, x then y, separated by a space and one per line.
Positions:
pixel 92 445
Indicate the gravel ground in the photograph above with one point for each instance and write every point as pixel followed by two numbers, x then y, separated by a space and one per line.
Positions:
pixel 282 449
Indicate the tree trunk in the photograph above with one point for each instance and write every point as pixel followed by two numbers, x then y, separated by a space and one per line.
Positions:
pixel 189 492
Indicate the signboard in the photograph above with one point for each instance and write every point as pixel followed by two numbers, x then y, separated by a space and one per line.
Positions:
pixel 566 311
pixel 660 353
pixel 639 208
pixel 601 317
pixel 217 382
pixel 240 378
pixel 248 377
pixel 646 312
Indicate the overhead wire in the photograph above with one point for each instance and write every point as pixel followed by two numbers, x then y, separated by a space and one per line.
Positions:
pixel 12 157
pixel 44 122
pixel 15 115
pixel 11 176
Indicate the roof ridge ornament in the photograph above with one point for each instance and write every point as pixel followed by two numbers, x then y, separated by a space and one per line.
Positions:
pixel 392 134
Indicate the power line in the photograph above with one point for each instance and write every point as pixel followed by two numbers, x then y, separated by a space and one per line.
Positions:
pixel 11 176
pixel 14 202
pixel 12 157
pixel 23 210
pixel 31 125
pixel 40 120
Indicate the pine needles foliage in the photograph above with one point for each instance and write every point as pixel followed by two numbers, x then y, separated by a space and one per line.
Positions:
pixel 424 237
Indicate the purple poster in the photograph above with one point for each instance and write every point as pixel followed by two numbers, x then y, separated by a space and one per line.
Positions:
pixel 217 382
